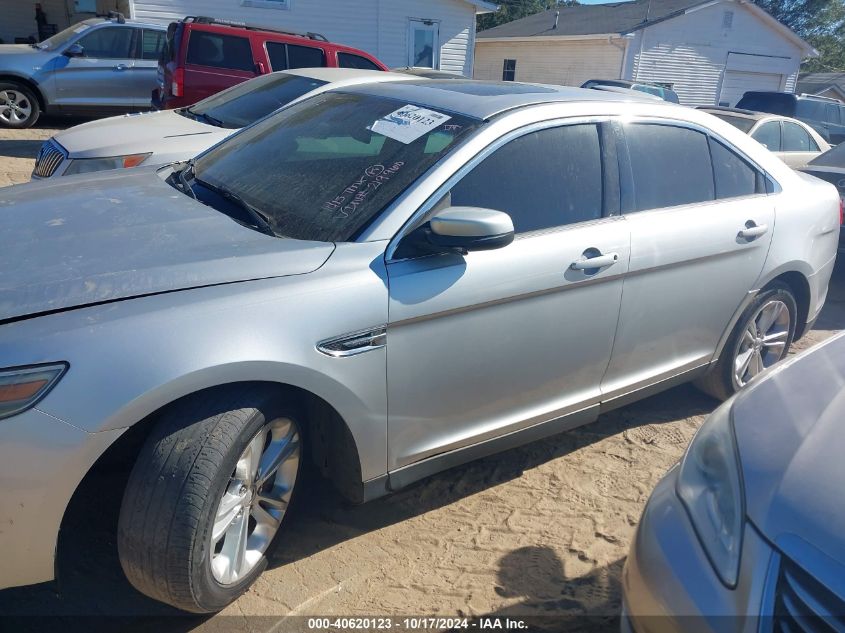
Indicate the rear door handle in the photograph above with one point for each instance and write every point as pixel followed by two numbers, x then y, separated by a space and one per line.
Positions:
pixel 599 261
pixel 753 231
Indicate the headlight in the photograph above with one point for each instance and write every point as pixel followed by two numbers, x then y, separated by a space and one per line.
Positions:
pixel 710 488
pixel 87 165
pixel 23 387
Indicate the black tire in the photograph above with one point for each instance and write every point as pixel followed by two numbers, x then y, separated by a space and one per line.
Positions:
pixel 181 473
pixel 720 382
pixel 31 100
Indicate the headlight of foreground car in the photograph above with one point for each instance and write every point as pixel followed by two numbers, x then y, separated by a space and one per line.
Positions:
pixel 23 387
pixel 87 165
pixel 710 488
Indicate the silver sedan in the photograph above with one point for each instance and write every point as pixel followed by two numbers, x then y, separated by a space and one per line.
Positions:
pixel 386 279
pixel 746 534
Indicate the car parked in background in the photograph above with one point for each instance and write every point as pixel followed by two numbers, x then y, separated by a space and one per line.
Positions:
pixel 309 288
pixel 830 166
pixel 99 66
pixel 825 116
pixel 657 90
pixel 174 135
pixel 748 528
pixel 793 141
pixel 203 56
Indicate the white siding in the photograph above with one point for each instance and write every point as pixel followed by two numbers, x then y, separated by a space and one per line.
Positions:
pixel 560 62
pixel 691 51
pixel 379 27
pixel 17 18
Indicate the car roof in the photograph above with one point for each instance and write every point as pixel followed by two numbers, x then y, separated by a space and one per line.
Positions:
pixel 343 74
pixel 737 112
pixel 132 22
pixel 483 99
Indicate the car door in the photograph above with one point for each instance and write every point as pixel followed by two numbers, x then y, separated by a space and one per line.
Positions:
pixel 797 147
pixel 149 44
pixel 700 232
pixel 102 75
pixel 483 344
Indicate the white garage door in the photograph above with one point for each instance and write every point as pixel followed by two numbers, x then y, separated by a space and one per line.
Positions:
pixel 738 82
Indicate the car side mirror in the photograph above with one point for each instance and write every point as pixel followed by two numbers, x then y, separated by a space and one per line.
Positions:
pixel 470 229
pixel 74 50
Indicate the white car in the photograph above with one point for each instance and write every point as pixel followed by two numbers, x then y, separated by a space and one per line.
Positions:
pixel 158 138
pixel 791 140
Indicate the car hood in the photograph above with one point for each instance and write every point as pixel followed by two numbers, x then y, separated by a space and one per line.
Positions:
pixel 791 440
pixel 139 133
pixel 18 50
pixel 117 235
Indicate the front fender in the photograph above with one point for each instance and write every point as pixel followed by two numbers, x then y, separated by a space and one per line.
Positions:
pixel 130 358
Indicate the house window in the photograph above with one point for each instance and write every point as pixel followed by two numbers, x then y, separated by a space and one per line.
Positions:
pixel 509 70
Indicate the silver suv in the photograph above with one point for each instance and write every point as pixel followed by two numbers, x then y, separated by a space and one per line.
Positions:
pixel 389 280
pixel 99 66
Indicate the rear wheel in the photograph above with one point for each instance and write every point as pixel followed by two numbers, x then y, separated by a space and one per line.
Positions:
pixel 19 107
pixel 761 338
pixel 208 494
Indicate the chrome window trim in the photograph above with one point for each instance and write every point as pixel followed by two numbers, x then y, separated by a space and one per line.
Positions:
pixel 413 222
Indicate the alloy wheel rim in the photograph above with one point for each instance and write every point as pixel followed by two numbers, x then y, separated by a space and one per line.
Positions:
pixel 763 341
pixel 15 107
pixel 256 498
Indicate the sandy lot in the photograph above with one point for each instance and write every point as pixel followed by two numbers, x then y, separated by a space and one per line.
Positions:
pixel 540 530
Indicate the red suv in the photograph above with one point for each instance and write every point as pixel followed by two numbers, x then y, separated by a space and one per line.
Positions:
pixel 203 56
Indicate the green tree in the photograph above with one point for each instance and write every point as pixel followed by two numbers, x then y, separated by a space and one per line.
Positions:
pixel 820 22
pixel 510 10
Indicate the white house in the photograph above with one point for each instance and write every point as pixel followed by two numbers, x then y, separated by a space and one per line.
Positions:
pixel 709 51
pixel 428 33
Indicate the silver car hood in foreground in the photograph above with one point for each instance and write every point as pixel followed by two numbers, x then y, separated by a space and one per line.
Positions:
pixel 164 133
pixel 790 430
pixel 84 240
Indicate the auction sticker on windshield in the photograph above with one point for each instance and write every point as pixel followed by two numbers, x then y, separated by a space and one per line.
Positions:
pixel 408 123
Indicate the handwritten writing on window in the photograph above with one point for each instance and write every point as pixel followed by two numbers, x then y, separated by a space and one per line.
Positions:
pixel 347 202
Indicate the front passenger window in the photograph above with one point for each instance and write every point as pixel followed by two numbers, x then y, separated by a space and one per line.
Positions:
pixel 768 135
pixel 108 43
pixel 543 179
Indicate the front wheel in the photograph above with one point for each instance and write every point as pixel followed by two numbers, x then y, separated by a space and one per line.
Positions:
pixel 19 108
pixel 207 496
pixel 761 338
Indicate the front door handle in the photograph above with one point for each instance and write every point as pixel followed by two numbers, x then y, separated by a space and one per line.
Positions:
pixel 121 67
pixel 590 262
pixel 753 231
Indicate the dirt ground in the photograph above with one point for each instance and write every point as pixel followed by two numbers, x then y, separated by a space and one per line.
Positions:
pixel 539 530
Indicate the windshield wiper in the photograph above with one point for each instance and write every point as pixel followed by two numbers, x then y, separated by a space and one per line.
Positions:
pixel 181 175
pixel 205 117
pixel 262 221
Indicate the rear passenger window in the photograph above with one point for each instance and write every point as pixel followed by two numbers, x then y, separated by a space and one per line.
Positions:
pixel 152 43
pixel 832 113
pixel 734 177
pixel 796 139
pixel 348 60
pixel 289 56
pixel 544 179
pixel 221 51
pixel 670 166
pixel 768 135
